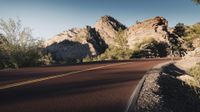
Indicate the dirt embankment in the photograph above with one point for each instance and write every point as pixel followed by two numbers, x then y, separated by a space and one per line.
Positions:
pixel 164 92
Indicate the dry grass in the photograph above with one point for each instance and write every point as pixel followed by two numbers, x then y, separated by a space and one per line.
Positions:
pixel 195 72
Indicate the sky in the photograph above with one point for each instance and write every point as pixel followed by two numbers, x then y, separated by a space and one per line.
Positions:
pixel 50 17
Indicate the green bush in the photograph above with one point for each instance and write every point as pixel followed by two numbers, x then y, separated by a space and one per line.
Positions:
pixel 17 46
pixel 180 29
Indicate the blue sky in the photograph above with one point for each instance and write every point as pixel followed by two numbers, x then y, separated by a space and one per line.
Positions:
pixel 50 17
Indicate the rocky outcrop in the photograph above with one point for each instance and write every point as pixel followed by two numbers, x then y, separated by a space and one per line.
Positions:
pixel 154 32
pixel 108 32
pixel 76 44
pixel 155 28
pixel 108 28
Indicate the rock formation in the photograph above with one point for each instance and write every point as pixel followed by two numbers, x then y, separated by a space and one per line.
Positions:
pixel 92 41
pixel 108 28
pixel 155 28
pixel 76 44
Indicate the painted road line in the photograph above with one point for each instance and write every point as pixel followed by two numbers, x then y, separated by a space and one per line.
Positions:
pixel 56 76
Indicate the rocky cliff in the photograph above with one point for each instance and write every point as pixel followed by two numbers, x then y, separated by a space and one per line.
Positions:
pixel 155 28
pixel 108 28
pixel 76 44
pixel 91 41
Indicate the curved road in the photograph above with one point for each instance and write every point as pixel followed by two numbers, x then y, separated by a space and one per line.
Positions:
pixel 103 87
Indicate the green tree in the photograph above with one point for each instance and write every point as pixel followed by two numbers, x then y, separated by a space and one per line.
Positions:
pixel 180 29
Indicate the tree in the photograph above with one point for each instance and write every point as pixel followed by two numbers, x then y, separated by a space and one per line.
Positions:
pixel 196 1
pixel 180 29
pixel 16 34
pixel 3 54
pixel 18 48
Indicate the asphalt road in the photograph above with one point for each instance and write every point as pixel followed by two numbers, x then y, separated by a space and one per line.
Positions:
pixel 97 87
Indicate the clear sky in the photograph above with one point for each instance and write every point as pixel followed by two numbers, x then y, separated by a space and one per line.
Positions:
pixel 50 17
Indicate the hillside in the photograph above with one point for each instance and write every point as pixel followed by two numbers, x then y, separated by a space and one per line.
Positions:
pixel 150 38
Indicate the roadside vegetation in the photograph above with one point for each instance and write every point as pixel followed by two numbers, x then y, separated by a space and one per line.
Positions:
pixel 112 53
pixel 192 32
pixel 191 38
pixel 195 72
pixel 194 81
pixel 18 48
pixel 118 52
pixel 189 34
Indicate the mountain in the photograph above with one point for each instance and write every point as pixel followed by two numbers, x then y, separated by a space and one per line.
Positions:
pixel 151 35
pixel 108 27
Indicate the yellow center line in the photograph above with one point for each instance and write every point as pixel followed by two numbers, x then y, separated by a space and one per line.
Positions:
pixel 56 76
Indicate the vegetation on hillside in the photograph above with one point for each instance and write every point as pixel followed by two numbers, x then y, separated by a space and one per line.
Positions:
pixel 112 53
pixel 195 72
pixel 189 34
pixel 148 48
pixel 17 46
pixel 192 32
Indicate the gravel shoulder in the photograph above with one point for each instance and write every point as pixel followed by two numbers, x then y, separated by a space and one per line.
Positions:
pixel 162 91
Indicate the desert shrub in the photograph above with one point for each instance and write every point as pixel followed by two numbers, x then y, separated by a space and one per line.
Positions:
pixel 18 48
pixel 45 58
pixel 121 39
pixel 180 29
pixel 191 37
pixel 150 48
pixel 118 52
pixel 192 32
pixel 5 54
pixel 137 54
pixel 112 53
pixel 195 72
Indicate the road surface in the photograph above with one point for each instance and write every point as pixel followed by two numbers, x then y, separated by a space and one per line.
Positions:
pixel 103 87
